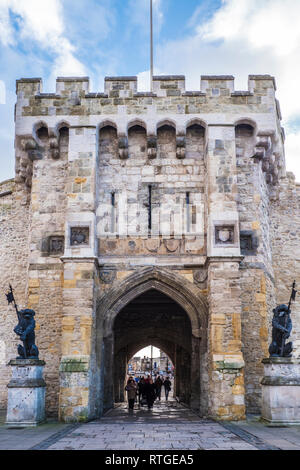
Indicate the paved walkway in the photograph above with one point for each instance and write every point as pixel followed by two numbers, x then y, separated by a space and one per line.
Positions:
pixel 168 426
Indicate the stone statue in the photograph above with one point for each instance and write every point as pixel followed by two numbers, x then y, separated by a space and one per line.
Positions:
pixel 282 327
pixel 25 329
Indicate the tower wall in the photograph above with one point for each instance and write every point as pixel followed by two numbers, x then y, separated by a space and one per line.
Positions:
pixel 213 159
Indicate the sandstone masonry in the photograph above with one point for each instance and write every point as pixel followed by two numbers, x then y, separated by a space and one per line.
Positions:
pixel 162 218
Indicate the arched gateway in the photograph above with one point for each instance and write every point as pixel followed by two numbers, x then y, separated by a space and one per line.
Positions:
pixel 137 219
pixel 158 306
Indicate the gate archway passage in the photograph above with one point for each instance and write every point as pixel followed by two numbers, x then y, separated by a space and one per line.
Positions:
pixel 158 307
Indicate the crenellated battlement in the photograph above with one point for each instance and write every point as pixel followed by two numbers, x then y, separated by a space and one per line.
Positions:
pixel 171 86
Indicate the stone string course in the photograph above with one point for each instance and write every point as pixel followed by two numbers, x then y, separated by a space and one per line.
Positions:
pixel 77 154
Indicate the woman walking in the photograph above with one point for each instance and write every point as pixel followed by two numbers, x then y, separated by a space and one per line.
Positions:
pixel 131 392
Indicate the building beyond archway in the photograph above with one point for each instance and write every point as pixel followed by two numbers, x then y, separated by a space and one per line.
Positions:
pixel 154 318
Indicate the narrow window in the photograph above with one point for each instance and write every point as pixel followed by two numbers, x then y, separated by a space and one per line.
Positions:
pixel 112 213
pixel 149 208
pixel 188 220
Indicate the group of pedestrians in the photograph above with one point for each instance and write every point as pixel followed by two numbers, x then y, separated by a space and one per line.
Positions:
pixel 146 390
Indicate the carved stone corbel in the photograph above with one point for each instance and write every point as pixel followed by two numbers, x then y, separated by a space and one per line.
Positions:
pixel 54 144
pixel 152 146
pixel 34 151
pixel 180 146
pixel 123 147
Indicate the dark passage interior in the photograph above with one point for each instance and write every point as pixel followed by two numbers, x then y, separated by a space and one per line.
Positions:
pixel 153 318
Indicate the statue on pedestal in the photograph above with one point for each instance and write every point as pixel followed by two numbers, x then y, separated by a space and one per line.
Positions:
pixel 24 329
pixel 282 327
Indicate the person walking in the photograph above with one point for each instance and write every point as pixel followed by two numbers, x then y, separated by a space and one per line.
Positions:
pixel 131 392
pixel 141 386
pixel 167 384
pixel 158 385
pixel 149 390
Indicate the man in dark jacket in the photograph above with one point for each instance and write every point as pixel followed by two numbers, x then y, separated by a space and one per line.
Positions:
pixel 141 386
pixel 158 384
pixel 149 391
pixel 167 385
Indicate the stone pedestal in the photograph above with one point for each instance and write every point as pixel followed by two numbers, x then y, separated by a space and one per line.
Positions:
pixel 26 393
pixel 281 391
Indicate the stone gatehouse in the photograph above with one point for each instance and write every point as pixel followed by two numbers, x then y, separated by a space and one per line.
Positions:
pixel 163 218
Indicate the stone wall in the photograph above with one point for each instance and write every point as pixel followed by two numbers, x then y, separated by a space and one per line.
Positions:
pixel 14 232
pixel 285 219
pixel 213 159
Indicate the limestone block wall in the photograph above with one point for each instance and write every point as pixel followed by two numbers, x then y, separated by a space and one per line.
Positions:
pixel 226 362
pixel 167 180
pixel 285 217
pixel 216 154
pixel 14 232
pixel 256 270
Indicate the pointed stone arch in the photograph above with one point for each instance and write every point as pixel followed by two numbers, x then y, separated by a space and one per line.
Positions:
pixel 186 294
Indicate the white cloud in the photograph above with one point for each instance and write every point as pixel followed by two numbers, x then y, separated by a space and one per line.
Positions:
pixel 42 23
pixel 2 92
pixel 6 31
pixel 245 37
pixel 259 22
pixel 292 150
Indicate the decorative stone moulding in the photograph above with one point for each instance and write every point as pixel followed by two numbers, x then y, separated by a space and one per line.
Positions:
pixel 152 146
pixel 264 152
pixel 180 147
pixel 123 147
pixel 107 275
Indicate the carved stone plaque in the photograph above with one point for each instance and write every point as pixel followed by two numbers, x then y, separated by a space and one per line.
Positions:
pixel 200 276
pixel 224 234
pixel 152 244
pixel 171 245
pixel 79 236
pixel 56 245
pixel 107 276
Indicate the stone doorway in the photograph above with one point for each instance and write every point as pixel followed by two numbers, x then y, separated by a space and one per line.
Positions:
pixel 153 318
pixel 159 307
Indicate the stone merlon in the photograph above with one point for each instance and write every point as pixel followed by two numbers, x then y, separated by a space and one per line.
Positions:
pixel 164 85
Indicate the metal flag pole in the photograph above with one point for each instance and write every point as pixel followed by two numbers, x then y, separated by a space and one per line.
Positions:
pixel 151 48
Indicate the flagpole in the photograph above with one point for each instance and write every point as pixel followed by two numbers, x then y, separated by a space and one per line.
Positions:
pixel 151 48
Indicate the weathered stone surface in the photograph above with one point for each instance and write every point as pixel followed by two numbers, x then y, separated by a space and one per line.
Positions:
pixel 26 393
pixel 210 164
pixel 281 391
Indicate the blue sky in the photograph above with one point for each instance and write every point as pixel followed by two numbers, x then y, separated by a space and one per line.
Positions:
pixel 111 37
